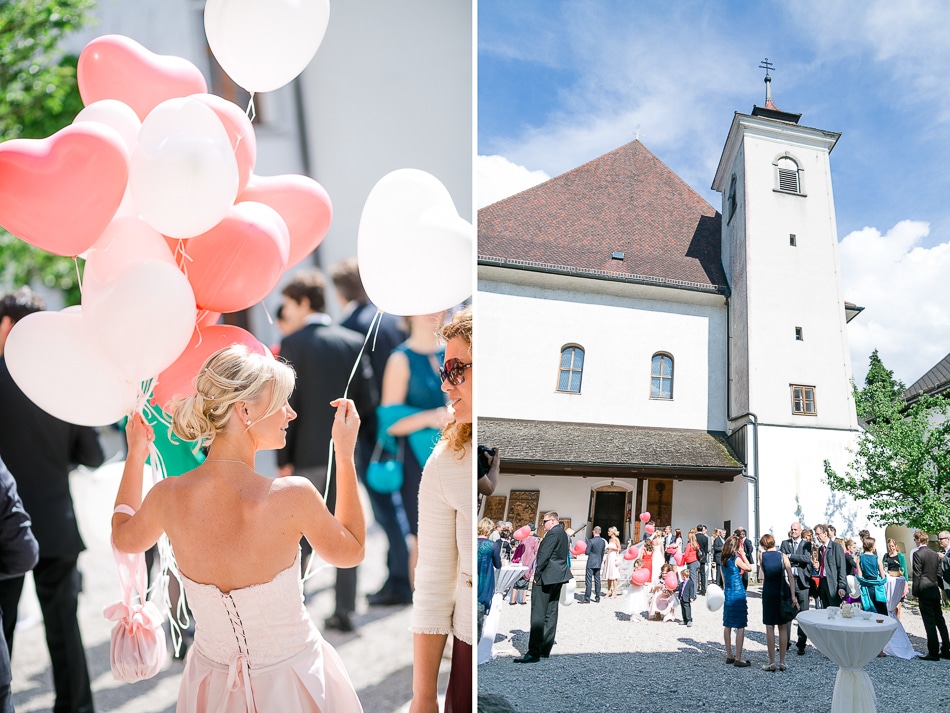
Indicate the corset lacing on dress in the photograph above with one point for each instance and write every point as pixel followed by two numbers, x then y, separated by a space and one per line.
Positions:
pixel 239 667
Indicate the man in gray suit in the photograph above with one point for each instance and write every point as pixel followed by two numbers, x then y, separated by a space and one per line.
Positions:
pixel 595 560
pixel 832 570
pixel 550 573
pixel 798 550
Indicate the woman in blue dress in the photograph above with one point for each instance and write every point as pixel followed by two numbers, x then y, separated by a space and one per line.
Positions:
pixel 735 610
pixel 776 586
pixel 869 569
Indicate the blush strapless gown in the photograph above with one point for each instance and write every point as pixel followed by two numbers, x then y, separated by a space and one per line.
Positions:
pixel 256 649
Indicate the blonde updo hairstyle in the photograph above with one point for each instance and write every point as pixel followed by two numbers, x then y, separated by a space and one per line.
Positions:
pixel 228 376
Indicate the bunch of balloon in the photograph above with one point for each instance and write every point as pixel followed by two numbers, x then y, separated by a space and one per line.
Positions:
pixel 153 185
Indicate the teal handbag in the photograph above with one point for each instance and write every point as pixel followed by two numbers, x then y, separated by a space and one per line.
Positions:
pixel 384 472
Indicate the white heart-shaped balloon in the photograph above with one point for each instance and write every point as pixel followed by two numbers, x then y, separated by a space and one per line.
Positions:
pixel 414 250
pixel 143 319
pixel 183 173
pixel 60 369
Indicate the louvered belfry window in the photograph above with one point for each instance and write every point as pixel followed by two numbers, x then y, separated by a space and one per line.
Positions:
pixel 788 179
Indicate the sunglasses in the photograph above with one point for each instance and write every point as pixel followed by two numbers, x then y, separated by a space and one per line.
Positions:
pixel 454 371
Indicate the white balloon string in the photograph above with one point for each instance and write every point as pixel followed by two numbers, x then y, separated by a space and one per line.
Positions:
pixel 371 332
pixel 178 618
pixel 251 109
pixel 78 274
pixel 270 320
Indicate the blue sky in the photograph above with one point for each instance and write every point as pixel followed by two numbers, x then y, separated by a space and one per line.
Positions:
pixel 562 82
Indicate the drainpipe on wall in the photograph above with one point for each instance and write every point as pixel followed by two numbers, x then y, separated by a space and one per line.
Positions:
pixel 753 419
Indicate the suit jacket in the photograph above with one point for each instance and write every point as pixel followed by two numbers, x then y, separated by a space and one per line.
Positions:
pixel 703 541
pixel 18 548
pixel 40 451
pixel 718 542
pixel 551 564
pixel 747 548
pixel 595 552
pixel 800 559
pixel 926 573
pixel 835 567
pixel 323 356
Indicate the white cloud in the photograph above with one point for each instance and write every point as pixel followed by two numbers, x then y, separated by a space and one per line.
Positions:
pixel 902 287
pixel 498 178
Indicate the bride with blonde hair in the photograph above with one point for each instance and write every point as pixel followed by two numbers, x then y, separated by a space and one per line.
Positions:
pixel 236 534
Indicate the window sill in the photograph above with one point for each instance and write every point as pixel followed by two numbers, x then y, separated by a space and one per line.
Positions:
pixel 790 193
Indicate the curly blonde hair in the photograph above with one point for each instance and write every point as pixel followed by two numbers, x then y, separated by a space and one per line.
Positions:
pixel 458 435
pixel 232 374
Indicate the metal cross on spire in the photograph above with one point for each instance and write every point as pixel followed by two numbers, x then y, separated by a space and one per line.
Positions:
pixel 767 66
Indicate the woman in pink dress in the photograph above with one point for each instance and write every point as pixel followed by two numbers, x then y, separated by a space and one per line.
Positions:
pixel 236 536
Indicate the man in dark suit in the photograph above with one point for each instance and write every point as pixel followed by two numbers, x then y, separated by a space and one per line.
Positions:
pixel 40 451
pixel 832 570
pixel 798 551
pixel 550 574
pixel 718 542
pixel 19 553
pixel 323 355
pixel 358 314
pixel 746 545
pixel 703 541
pixel 926 589
pixel 595 560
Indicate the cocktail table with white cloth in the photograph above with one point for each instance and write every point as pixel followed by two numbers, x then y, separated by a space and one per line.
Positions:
pixel 504 580
pixel 850 643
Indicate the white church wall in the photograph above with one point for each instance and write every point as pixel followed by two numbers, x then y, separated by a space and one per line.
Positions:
pixel 619 333
pixel 792 485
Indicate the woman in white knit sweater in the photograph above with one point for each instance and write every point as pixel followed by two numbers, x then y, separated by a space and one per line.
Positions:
pixel 442 603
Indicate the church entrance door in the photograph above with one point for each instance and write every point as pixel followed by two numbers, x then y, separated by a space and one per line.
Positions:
pixel 609 508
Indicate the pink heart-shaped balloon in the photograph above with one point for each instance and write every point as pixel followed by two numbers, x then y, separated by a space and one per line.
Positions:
pixel 59 193
pixel 117 67
pixel 239 261
pixel 303 204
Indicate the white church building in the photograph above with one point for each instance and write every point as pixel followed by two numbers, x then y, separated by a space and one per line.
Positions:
pixel 641 351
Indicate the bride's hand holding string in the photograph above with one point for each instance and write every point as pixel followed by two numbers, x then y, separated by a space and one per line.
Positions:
pixel 346 426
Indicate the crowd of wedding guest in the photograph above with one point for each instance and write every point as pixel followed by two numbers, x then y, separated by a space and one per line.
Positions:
pixel 661 575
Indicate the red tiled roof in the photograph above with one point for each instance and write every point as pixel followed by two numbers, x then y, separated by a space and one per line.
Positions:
pixel 625 201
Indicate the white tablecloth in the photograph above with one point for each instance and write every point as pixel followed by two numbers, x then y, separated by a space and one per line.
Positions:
pixel 504 578
pixel 850 643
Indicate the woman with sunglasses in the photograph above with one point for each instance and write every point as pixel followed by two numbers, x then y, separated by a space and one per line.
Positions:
pixel 412 411
pixel 442 602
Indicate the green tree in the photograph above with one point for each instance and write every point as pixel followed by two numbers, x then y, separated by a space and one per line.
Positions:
pixel 38 97
pixel 901 466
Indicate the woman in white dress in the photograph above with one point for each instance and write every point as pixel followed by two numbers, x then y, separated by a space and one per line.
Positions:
pixel 612 566
pixel 236 536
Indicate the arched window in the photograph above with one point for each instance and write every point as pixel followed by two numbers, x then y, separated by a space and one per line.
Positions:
pixel 571 369
pixel 788 178
pixel 661 377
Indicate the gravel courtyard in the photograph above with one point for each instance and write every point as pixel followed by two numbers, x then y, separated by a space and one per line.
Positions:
pixel 603 661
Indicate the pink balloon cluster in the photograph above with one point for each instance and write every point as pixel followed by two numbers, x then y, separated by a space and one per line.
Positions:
pixel 650 529
pixel 153 184
pixel 632 553
pixel 580 547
